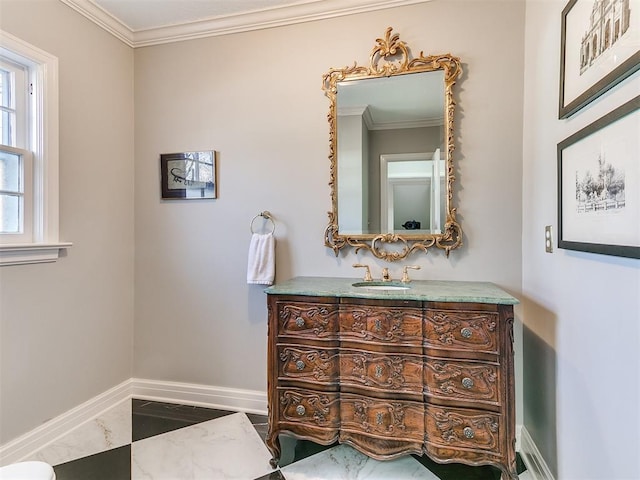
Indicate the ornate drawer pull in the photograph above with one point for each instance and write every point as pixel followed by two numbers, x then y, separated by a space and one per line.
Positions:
pixel 467 382
pixel 300 410
pixel 466 332
pixel 378 325
pixel 379 418
pixel 300 365
pixel 379 371
pixel 468 432
pixel 300 322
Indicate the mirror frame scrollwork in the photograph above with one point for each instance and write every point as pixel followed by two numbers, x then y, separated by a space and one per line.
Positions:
pixel 391 57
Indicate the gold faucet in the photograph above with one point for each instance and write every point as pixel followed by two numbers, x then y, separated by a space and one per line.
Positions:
pixel 405 273
pixel 367 274
pixel 385 275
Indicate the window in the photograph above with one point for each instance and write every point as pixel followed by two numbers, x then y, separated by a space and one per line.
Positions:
pixel 28 153
pixel 15 155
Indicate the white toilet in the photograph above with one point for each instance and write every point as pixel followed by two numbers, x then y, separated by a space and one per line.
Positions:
pixel 27 471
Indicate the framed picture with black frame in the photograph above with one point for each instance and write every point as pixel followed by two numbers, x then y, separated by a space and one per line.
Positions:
pixel 599 185
pixel 188 175
pixel 600 47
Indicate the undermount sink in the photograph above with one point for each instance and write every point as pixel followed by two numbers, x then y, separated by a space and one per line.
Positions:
pixel 385 286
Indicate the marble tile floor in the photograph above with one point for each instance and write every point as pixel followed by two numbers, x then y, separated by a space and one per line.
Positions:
pixel 144 440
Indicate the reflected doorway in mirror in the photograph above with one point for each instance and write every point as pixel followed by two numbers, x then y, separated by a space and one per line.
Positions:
pixel 412 193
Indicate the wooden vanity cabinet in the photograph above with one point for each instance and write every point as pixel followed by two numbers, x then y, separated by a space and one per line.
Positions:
pixel 394 377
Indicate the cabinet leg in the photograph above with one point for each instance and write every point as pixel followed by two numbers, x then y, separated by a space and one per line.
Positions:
pixel 273 444
pixel 507 475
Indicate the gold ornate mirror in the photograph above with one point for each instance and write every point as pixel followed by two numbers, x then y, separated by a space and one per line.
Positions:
pixel 391 146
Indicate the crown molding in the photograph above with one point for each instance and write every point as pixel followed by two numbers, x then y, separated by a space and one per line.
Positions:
pixel 358 110
pixel 228 24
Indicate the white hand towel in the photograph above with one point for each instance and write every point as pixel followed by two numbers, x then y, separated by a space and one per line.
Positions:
pixel 261 267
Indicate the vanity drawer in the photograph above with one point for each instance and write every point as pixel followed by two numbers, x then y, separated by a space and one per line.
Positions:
pixel 309 364
pixel 381 372
pixel 461 331
pixel 459 428
pixel 306 407
pixel 382 325
pixel 399 420
pixel 459 380
pixel 308 320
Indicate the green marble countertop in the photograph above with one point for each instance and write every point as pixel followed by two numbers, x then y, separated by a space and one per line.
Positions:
pixel 423 290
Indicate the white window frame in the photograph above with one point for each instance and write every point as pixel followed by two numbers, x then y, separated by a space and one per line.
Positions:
pixel 44 244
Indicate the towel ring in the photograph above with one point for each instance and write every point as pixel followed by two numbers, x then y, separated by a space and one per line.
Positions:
pixel 266 215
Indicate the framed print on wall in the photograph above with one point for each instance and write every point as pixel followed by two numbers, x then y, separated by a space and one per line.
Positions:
pixel 600 47
pixel 599 185
pixel 188 175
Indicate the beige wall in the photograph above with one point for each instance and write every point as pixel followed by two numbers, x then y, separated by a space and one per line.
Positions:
pixel 66 328
pixel 256 98
pixel 581 310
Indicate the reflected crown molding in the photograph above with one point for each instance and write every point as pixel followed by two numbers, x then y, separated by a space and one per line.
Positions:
pixel 224 25
pixel 372 124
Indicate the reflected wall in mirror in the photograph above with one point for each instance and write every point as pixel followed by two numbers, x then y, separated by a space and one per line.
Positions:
pixel 391 152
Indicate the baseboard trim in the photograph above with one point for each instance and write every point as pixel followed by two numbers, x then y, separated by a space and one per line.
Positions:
pixel 32 441
pixel 25 446
pixel 249 401
pixel 532 457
